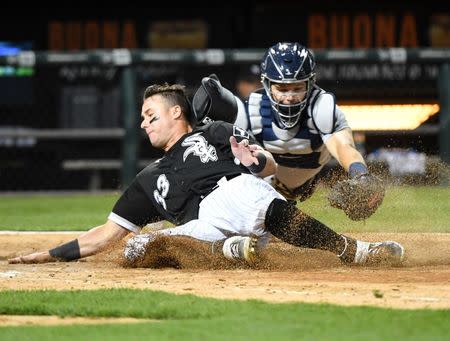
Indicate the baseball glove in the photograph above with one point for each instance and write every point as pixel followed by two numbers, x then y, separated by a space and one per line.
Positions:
pixel 359 197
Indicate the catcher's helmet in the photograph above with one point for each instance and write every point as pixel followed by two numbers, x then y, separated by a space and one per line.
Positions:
pixel 213 102
pixel 288 63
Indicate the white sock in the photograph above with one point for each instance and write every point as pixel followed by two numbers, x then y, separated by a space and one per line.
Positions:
pixel 345 246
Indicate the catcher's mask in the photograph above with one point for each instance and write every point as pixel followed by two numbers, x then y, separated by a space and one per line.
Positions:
pixel 213 102
pixel 288 63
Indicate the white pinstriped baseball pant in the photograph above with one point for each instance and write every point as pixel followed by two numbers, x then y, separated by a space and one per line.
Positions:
pixel 237 207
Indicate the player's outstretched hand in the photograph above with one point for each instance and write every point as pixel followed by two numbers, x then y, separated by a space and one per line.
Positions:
pixel 244 152
pixel 37 257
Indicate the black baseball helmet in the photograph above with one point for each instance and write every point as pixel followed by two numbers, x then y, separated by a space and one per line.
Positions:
pixel 213 102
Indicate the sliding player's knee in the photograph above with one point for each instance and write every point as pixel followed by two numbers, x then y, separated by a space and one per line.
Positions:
pixel 282 218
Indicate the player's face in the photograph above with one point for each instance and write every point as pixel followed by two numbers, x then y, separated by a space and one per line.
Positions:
pixel 288 93
pixel 157 121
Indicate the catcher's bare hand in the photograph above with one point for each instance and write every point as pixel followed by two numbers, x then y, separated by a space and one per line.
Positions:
pixel 359 197
pixel 244 152
pixel 37 257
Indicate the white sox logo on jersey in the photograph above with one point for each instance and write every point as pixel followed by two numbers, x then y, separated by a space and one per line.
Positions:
pixel 239 132
pixel 162 184
pixel 199 147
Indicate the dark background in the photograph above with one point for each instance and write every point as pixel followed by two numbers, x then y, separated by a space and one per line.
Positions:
pixel 252 24
pixel 86 96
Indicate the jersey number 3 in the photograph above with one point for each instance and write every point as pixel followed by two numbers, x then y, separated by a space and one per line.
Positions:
pixel 162 185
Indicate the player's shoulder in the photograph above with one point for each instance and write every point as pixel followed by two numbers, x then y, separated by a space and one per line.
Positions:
pixel 221 131
pixel 215 130
pixel 323 110
pixel 149 170
pixel 213 125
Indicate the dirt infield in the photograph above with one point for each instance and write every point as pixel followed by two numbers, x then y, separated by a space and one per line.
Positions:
pixel 286 274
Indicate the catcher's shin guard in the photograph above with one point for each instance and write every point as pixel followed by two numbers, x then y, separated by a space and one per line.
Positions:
pixel 288 223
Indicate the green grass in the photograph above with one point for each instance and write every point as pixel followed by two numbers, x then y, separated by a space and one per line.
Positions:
pixel 55 213
pixel 405 209
pixel 185 317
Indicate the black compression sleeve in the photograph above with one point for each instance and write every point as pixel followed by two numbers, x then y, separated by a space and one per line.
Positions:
pixel 288 223
pixel 69 251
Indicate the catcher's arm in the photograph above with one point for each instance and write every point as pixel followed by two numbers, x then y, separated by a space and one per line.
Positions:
pixel 89 243
pixel 342 147
pixel 361 195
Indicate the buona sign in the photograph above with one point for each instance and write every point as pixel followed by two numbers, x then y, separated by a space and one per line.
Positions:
pixel 80 35
pixel 361 30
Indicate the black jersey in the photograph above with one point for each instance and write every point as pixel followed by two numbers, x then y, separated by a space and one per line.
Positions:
pixel 189 171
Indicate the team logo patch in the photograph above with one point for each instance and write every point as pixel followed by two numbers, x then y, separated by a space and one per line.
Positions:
pixel 239 132
pixel 198 146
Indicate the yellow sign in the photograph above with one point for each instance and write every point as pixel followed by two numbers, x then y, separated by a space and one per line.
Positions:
pixel 188 34
pixel 389 116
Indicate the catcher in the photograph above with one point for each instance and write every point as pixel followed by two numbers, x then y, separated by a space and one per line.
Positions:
pixel 209 184
pixel 303 127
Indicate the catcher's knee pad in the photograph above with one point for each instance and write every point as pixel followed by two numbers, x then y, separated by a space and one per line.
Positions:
pixel 282 189
pixel 306 190
pixel 301 193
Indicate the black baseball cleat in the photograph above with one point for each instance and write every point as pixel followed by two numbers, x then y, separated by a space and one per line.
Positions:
pixel 387 252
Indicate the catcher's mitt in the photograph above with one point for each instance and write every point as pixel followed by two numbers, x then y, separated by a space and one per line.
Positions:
pixel 359 197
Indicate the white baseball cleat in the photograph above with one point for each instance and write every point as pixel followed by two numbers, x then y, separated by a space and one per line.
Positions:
pixel 388 252
pixel 136 246
pixel 238 247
